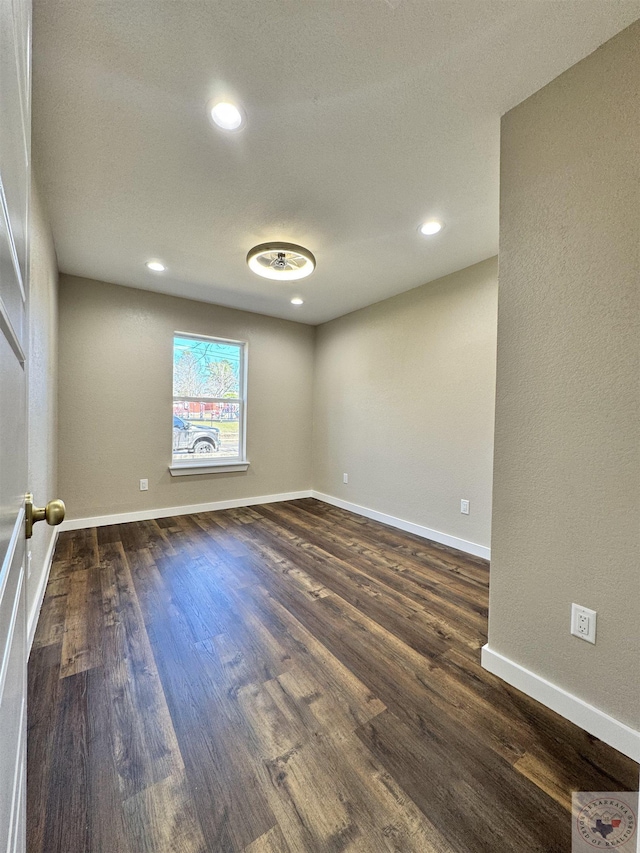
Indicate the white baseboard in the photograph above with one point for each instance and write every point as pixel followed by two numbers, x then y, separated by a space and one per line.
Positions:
pixel 591 719
pixel 32 619
pixel 408 526
pixel 166 512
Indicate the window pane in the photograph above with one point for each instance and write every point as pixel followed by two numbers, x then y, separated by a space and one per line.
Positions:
pixel 204 430
pixel 205 368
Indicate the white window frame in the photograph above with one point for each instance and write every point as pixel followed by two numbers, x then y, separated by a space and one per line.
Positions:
pixel 207 466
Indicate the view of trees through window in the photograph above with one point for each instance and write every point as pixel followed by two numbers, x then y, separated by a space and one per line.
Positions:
pixel 208 398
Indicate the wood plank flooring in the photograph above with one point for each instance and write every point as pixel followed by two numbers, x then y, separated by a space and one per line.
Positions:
pixel 281 679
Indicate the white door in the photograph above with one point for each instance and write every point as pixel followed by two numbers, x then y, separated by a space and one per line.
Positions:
pixel 15 131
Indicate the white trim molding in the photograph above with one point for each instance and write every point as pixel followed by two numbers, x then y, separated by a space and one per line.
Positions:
pixel 409 526
pixel 591 719
pixel 188 469
pixel 189 509
pixel 34 613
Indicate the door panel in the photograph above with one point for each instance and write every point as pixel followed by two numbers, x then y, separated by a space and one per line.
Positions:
pixel 15 126
pixel 13 696
pixel 13 463
pixel 15 16
pixel 22 40
pixel 12 307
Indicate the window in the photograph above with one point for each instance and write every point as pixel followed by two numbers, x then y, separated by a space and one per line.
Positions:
pixel 209 404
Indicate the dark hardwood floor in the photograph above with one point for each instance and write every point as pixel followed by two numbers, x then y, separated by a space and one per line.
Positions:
pixel 288 677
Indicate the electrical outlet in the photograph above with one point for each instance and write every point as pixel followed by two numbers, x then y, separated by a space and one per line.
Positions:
pixel 583 623
pixel 345 478
pixel 464 507
pixel 144 485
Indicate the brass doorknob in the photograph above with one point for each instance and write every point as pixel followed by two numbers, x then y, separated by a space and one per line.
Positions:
pixel 52 513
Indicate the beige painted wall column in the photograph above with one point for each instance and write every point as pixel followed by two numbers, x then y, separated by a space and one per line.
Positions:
pixel 566 519
pixel 404 404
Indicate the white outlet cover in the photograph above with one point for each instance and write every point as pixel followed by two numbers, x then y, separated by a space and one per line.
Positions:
pixel 144 485
pixel 464 507
pixel 583 623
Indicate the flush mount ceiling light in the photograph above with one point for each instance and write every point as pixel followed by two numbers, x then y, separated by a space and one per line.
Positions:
pixel 297 301
pixel 156 266
pixel 225 114
pixel 281 261
pixel 430 228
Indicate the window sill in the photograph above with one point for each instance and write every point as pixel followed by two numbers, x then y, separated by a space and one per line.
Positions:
pixel 187 469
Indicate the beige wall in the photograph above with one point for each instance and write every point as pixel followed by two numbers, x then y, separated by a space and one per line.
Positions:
pixel 42 372
pixel 414 374
pixel 404 403
pixel 566 518
pixel 116 391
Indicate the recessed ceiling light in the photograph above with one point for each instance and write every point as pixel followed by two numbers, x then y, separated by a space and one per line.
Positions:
pixel 297 301
pixel 281 261
pixel 156 266
pixel 430 228
pixel 225 115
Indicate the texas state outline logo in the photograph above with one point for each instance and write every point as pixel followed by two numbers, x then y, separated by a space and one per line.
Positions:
pixel 604 821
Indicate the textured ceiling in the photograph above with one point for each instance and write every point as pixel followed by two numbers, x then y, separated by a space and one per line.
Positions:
pixel 365 117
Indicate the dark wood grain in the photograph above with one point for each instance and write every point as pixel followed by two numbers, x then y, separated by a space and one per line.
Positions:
pixel 81 638
pixel 281 679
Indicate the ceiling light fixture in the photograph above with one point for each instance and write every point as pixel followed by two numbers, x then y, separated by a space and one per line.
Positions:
pixel 225 115
pixel 281 261
pixel 156 266
pixel 430 228
pixel 297 301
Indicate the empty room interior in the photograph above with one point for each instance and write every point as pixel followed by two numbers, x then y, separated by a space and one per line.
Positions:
pixel 319 426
